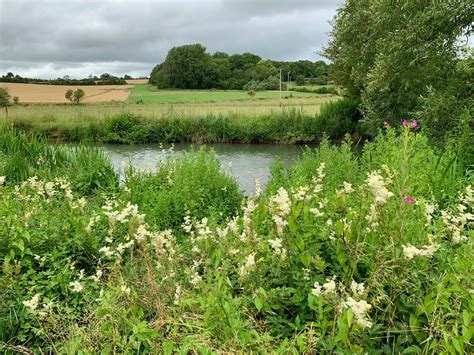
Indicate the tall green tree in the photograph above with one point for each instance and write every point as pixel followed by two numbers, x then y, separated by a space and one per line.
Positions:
pixel 391 54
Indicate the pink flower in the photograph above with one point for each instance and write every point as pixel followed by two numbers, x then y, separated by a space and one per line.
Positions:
pixel 405 123
pixel 413 124
pixel 408 199
pixel 385 124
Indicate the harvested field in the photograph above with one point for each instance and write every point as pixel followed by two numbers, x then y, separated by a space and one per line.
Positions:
pixel 137 81
pixel 36 93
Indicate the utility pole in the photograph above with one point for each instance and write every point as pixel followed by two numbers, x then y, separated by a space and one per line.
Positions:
pixel 288 83
pixel 280 87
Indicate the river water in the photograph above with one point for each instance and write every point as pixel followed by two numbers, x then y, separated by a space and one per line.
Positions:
pixel 244 162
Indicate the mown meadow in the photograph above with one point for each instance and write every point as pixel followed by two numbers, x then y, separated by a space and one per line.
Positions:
pixel 340 253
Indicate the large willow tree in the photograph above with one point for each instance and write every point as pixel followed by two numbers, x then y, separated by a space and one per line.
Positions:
pixel 401 57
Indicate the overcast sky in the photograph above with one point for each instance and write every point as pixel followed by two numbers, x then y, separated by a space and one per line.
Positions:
pixel 50 39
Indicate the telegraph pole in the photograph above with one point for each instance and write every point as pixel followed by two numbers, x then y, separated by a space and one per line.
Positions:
pixel 280 87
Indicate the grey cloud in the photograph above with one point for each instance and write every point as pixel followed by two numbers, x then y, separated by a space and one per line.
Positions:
pixel 84 36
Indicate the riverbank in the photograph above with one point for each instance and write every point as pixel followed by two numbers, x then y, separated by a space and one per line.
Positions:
pixel 339 245
pixel 288 126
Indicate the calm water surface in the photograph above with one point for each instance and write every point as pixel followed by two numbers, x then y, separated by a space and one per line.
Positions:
pixel 245 162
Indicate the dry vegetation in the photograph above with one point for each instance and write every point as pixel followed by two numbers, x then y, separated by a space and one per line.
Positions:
pixel 36 93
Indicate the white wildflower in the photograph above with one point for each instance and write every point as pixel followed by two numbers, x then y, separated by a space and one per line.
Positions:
pixel 301 193
pixel 347 187
pixel 125 289
pixel 316 212
pixel 76 286
pixel 316 291
pixel 97 276
pixel 329 287
pixel 357 288
pixel 107 251
pixel 360 309
pixel 33 303
pixel 3 179
pixel 410 251
pixel 248 266
pixel 376 185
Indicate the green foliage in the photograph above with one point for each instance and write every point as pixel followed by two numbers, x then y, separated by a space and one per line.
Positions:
pixel 286 126
pixel 300 80
pixel 192 184
pixel 190 67
pixel 399 59
pixel 22 157
pixel 75 96
pixel 343 252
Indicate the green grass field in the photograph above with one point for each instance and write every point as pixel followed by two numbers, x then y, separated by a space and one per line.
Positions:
pixel 142 92
pixel 159 103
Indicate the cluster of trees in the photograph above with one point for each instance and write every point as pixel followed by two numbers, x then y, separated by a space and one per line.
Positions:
pixel 75 96
pixel 406 60
pixel 104 79
pixel 191 67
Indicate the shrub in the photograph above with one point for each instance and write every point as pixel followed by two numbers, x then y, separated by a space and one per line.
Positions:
pixel 192 184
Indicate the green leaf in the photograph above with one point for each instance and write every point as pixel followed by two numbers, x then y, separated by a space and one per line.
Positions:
pixel 259 301
pixel 305 259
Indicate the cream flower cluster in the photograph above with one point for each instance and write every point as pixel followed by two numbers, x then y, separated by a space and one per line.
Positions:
pixel 280 206
pixel 249 265
pixel 360 309
pixel 410 251
pixel 457 220
pixel 377 185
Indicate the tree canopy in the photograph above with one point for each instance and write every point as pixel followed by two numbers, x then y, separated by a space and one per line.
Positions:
pixel 191 67
pixel 394 56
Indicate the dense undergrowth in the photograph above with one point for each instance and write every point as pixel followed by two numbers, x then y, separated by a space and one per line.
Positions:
pixel 287 126
pixel 341 253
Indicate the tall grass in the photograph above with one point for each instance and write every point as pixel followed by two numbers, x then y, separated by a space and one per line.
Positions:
pixel 286 126
pixel 23 156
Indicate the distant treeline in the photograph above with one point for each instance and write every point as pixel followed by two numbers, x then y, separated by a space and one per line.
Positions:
pixel 104 79
pixel 191 67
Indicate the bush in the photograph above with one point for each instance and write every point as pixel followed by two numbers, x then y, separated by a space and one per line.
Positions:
pixel 192 184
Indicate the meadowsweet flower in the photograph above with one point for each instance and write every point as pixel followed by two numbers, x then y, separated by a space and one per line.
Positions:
pixel 107 251
pixel 316 290
pixel 329 287
pixel 347 187
pixel 125 289
pixel 258 188
pixel 376 185
pixel 277 246
pixel 248 266
pixel 101 295
pixel 306 274
pixel 301 193
pixel 356 288
pixel 177 295
pixel 280 205
pixel 97 276
pixel 410 251
pixel 316 212
pixel 76 286
pixel 33 303
pixel 360 310
pixel 3 179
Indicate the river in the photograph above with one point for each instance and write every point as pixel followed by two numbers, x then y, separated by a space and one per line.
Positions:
pixel 245 163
